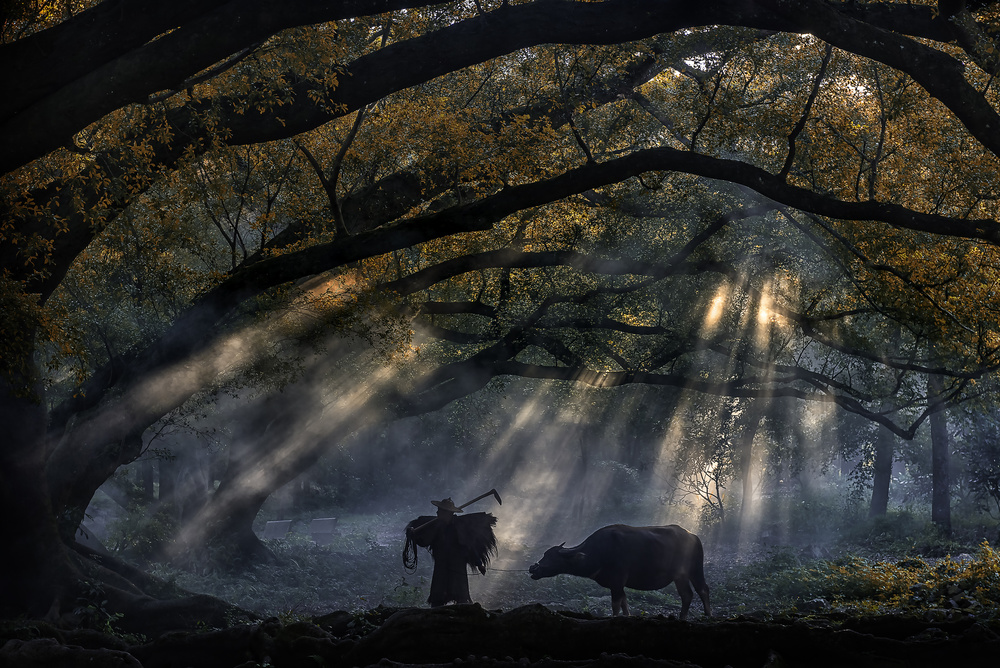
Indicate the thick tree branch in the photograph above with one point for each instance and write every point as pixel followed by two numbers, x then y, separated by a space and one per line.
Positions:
pixel 481 215
pixel 41 64
pixel 801 124
pixel 368 208
pixel 116 77
pixel 192 331
pixel 749 388
pixel 366 82
pixel 64 93
pixel 940 74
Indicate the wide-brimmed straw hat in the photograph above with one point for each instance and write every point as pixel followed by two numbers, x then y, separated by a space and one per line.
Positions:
pixel 447 504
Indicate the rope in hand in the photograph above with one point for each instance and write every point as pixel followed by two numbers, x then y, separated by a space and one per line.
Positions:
pixel 502 570
pixel 510 570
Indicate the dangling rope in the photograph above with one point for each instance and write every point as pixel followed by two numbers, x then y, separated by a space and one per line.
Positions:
pixel 410 554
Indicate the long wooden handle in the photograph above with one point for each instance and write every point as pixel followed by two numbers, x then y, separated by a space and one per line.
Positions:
pixel 483 496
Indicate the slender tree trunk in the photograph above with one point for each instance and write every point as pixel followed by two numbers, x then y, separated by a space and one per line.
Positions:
pixel 885 445
pixel 582 501
pixel 146 479
pixel 168 479
pixel 754 415
pixel 940 461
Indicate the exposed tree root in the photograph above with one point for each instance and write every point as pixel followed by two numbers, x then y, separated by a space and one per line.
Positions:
pixel 115 595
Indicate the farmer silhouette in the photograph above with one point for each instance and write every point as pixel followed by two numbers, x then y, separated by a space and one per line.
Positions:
pixel 456 542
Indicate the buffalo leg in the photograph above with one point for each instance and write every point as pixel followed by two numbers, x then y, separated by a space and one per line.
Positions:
pixel 703 593
pixel 684 589
pixel 618 602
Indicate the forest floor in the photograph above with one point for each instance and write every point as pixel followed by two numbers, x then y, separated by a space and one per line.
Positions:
pixel 362 568
pixel 351 603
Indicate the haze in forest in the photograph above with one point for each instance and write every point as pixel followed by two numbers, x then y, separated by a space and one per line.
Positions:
pixel 730 265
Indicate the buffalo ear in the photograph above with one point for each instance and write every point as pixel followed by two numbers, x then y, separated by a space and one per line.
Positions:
pixel 579 556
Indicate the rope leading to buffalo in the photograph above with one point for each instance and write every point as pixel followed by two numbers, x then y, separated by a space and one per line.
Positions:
pixel 510 570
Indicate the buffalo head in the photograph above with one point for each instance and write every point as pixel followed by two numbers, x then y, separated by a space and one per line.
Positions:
pixel 556 560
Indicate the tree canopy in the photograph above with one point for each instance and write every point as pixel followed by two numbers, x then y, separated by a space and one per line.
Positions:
pixel 747 199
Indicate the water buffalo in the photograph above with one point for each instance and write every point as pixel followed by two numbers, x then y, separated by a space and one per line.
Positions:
pixel 646 558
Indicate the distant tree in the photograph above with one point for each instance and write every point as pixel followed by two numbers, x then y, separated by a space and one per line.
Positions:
pixel 979 438
pixel 884 455
pixel 940 461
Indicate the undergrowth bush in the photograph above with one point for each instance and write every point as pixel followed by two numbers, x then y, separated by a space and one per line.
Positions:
pixel 909 531
pixel 892 531
pixel 970 582
pixel 140 536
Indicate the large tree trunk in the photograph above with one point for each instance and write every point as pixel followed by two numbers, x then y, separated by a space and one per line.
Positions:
pixel 37 568
pixel 73 477
pixel 41 576
pixel 225 522
pixel 257 469
pixel 885 445
pixel 232 539
pixel 274 446
pixel 940 461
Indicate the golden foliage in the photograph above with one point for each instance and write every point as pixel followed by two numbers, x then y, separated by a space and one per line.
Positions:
pixel 972 582
pixel 166 234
